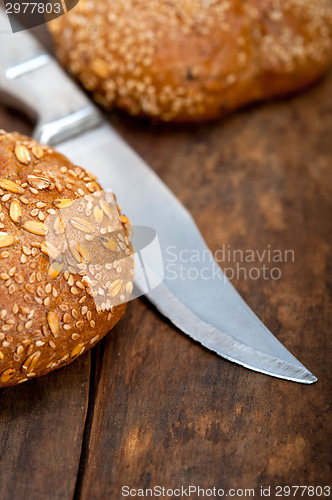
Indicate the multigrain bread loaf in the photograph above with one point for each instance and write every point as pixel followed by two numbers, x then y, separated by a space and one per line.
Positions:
pixel 66 265
pixel 193 60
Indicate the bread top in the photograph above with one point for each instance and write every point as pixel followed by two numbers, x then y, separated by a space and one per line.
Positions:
pixel 66 265
pixel 187 60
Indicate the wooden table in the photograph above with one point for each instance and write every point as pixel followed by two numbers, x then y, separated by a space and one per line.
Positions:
pixel 150 407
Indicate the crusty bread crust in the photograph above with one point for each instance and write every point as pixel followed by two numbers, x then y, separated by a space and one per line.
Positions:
pixel 66 267
pixel 193 60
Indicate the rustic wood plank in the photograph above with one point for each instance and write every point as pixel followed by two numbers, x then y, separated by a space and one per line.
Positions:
pixel 167 412
pixel 41 429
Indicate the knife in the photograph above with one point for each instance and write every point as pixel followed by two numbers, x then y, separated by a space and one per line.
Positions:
pixel 210 310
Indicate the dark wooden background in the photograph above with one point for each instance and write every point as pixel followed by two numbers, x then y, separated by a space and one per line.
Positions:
pixel 150 407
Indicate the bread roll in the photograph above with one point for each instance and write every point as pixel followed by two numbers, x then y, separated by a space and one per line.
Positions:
pixel 193 60
pixel 66 265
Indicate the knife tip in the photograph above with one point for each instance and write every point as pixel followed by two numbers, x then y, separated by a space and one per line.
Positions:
pixel 305 377
pixel 309 379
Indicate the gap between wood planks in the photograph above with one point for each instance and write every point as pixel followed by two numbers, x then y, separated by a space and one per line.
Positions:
pixel 97 355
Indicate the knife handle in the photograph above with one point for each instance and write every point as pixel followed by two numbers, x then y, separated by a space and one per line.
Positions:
pixel 31 80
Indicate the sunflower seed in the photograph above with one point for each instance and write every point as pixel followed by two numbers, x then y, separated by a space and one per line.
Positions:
pixel 77 350
pixel 63 203
pixel 106 208
pixel 15 211
pixel 30 362
pixel 73 248
pixel 84 253
pixel 22 154
pixel 81 225
pixel 11 186
pixel 109 244
pixel 37 151
pixel 59 226
pixel 6 240
pixel 54 270
pixel 50 250
pixel 53 322
pixel 98 214
pixel 35 227
pixel 115 288
pixel 7 374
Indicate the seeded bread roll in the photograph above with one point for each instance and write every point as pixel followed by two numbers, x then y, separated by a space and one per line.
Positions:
pixel 193 60
pixel 66 265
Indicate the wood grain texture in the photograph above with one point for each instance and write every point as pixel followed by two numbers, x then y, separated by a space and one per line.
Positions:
pixel 167 412
pixel 163 410
pixel 41 429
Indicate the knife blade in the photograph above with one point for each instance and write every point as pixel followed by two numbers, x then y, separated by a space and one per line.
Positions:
pixel 209 310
